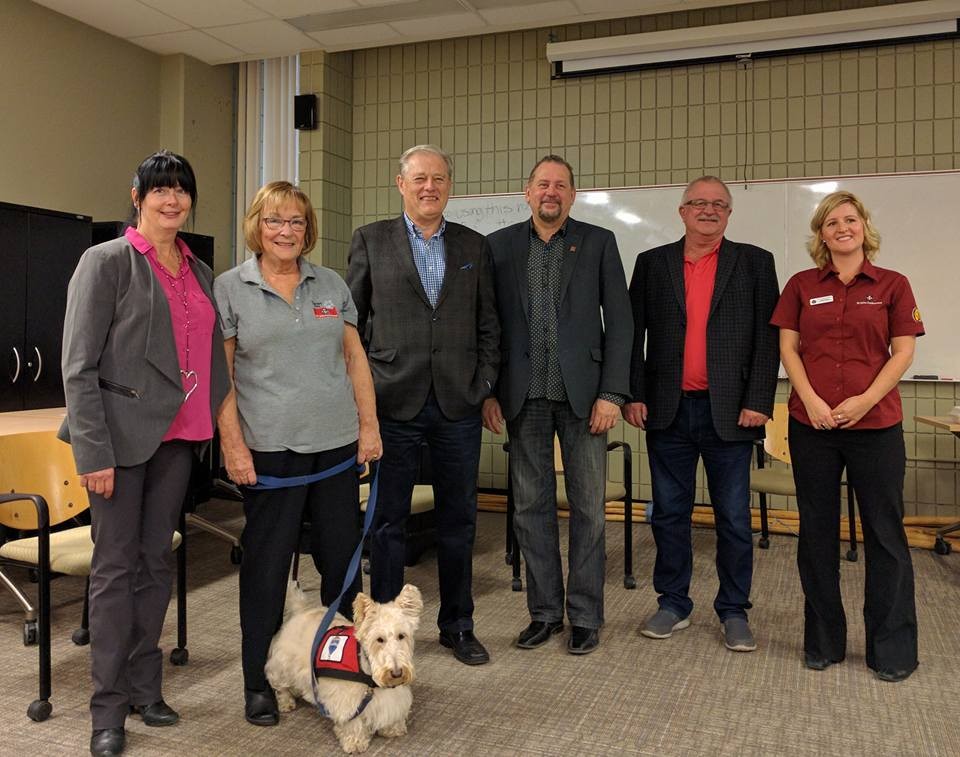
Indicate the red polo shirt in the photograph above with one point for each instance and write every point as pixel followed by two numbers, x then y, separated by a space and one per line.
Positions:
pixel 845 332
pixel 698 280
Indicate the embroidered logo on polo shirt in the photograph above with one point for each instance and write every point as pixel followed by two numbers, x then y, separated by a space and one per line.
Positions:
pixel 869 301
pixel 325 309
pixel 916 314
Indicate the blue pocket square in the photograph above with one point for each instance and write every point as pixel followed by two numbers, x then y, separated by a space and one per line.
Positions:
pixel 466 267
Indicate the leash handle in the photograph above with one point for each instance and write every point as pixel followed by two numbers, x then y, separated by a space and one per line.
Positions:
pixel 286 482
pixel 352 568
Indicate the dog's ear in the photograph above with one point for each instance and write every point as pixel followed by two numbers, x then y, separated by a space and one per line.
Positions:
pixel 410 601
pixel 360 606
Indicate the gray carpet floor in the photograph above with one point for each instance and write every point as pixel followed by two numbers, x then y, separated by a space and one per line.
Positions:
pixel 634 696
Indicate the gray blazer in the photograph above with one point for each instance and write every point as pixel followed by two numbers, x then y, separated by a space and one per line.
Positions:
pixel 121 375
pixel 594 325
pixel 411 345
pixel 742 349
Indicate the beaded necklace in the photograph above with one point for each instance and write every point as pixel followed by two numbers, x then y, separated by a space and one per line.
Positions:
pixel 187 373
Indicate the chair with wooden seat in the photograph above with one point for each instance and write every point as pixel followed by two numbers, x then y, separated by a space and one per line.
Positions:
pixel 769 479
pixel 615 492
pixel 43 495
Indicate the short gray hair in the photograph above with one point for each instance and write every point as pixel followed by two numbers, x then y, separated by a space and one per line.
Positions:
pixel 710 180
pixel 433 150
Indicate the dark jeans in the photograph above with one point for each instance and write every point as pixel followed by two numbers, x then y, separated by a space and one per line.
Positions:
pixel 875 462
pixel 455 457
pixel 673 469
pixel 272 533
pixel 130 578
pixel 535 517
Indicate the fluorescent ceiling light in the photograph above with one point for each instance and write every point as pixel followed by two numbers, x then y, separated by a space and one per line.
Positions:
pixel 926 19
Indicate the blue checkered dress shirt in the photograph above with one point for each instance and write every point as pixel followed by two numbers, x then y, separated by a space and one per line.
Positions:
pixel 430 257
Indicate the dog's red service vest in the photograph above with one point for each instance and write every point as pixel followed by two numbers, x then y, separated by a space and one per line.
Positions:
pixel 338 656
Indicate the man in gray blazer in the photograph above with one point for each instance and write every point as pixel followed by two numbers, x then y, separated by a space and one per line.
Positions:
pixel 423 288
pixel 565 349
pixel 703 379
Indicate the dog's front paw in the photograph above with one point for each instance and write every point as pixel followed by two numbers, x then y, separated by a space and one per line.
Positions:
pixel 353 740
pixel 286 702
pixel 397 728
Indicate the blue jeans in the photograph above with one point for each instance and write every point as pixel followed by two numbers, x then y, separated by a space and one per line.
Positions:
pixel 535 515
pixel 455 457
pixel 673 469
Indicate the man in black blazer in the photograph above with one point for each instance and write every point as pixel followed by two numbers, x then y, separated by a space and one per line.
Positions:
pixel 423 288
pixel 565 354
pixel 703 387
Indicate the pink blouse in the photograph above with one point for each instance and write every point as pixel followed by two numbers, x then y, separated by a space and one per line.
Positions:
pixel 192 316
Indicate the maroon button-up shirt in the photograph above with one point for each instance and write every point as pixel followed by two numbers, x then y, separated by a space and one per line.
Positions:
pixel 845 332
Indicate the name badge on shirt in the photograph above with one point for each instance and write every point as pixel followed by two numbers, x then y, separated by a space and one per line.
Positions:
pixel 821 300
pixel 325 310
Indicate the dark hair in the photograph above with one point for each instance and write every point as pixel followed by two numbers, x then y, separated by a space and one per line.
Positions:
pixel 164 169
pixel 552 159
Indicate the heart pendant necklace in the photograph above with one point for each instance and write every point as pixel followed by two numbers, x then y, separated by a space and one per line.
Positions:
pixel 189 378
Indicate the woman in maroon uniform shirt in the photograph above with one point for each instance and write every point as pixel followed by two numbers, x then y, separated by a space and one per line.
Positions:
pixel 847 335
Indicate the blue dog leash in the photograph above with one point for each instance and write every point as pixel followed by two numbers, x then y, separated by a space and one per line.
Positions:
pixel 278 482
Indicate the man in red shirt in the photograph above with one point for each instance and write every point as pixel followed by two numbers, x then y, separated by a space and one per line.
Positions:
pixel 703 380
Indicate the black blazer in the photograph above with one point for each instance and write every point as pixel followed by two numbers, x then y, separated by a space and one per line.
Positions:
pixel 742 349
pixel 411 345
pixel 594 326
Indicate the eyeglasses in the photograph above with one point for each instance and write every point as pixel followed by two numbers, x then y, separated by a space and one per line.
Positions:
pixel 720 205
pixel 275 224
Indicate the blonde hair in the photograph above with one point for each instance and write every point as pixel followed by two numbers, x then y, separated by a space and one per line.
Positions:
pixel 815 244
pixel 273 195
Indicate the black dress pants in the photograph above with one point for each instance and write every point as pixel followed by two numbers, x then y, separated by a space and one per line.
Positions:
pixel 272 533
pixel 875 463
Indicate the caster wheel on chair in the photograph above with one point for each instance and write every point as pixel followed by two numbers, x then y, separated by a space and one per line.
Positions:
pixel 763 543
pixel 30 633
pixel 39 710
pixel 629 582
pixel 852 555
pixel 941 546
pixel 507 558
pixel 516 584
pixel 236 554
pixel 179 656
pixel 81 637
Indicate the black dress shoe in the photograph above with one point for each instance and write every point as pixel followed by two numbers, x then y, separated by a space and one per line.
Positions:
pixel 583 640
pixel 892 676
pixel 818 663
pixel 466 647
pixel 107 742
pixel 261 707
pixel 538 633
pixel 158 713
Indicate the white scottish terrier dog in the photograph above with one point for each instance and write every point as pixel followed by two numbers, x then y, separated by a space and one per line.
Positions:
pixel 375 699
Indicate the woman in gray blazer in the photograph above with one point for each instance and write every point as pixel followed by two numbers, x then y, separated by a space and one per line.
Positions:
pixel 144 373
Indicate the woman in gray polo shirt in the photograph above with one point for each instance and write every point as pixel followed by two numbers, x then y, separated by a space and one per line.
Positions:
pixel 302 401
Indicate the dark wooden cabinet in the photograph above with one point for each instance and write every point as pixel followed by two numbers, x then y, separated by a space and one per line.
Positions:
pixel 39 250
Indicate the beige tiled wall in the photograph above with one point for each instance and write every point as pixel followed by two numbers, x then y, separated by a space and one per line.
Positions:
pixel 491 103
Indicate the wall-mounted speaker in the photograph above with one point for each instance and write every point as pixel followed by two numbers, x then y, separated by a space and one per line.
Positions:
pixel 305 111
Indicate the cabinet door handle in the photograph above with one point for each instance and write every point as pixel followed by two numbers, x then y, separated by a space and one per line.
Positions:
pixel 39 364
pixel 16 374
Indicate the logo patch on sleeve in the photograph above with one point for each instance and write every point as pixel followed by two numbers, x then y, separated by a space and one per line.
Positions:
pixel 916 314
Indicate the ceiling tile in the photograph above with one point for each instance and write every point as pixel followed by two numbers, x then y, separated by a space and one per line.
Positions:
pixel 271 37
pixel 356 37
pixel 208 12
pixel 544 13
pixel 192 42
pixel 122 18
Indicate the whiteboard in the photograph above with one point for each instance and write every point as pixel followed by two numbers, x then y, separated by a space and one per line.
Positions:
pixel 917 215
